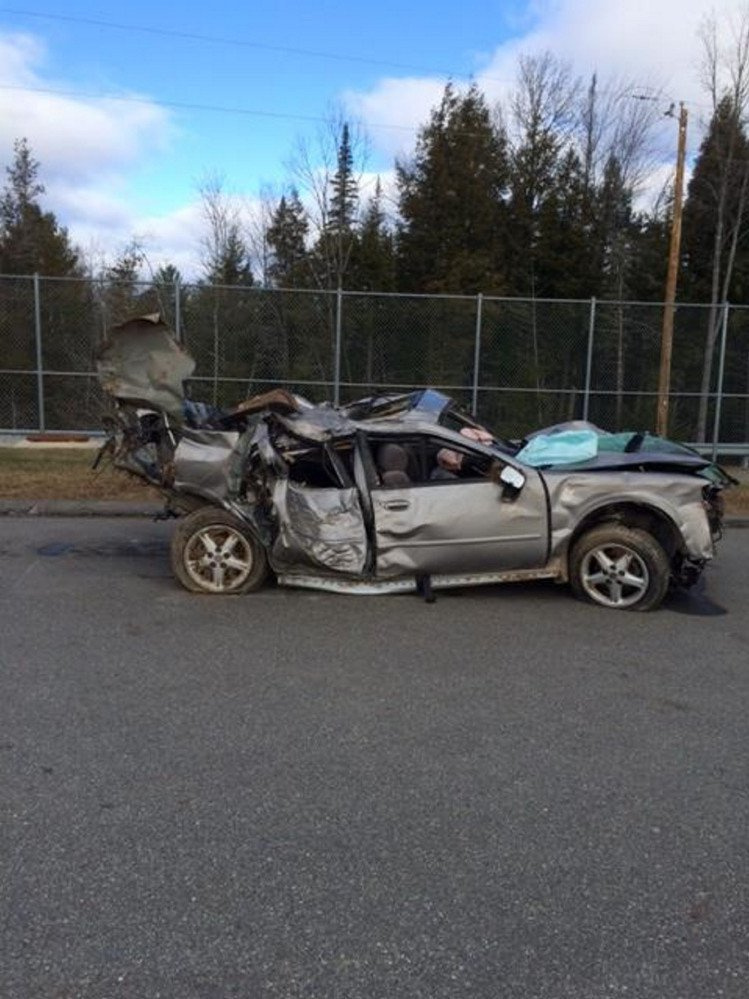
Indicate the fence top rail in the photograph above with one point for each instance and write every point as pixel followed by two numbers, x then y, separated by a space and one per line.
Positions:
pixel 354 293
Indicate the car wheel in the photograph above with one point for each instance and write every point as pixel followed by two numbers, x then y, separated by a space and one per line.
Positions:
pixel 620 567
pixel 214 552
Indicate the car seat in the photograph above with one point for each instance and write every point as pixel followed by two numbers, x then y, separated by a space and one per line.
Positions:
pixel 392 462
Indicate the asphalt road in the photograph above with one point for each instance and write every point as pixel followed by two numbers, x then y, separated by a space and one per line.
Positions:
pixel 505 794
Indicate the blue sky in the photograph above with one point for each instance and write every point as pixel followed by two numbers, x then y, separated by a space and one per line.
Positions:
pixel 115 169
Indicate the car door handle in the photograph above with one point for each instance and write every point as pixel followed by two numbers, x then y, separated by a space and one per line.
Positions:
pixel 396 504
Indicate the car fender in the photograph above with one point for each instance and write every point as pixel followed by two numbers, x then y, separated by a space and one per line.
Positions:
pixel 577 498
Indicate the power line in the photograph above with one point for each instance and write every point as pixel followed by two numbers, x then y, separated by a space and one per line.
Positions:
pixel 211 108
pixel 266 47
pixel 237 42
pixel 185 106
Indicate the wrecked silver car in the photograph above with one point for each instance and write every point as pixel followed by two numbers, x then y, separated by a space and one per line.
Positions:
pixel 400 492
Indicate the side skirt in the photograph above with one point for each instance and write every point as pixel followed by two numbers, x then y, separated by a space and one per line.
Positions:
pixel 407 584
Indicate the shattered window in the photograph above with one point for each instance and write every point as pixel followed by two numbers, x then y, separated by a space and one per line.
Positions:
pixel 320 466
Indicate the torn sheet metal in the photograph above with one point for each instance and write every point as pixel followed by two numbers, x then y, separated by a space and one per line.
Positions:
pixel 322 528
pixel 318 424
pixel 203 463
pixel 142 363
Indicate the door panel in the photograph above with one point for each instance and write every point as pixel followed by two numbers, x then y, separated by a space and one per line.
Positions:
pixel 460 526
pixel 318 528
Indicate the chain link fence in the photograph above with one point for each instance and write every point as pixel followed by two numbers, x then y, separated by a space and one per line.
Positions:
pixel 518 364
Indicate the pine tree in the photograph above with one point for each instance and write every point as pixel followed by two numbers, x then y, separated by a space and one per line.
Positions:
pixel 717 262
pixel 344 191
pixel 31 240
pixel 451 200
pixel 167 286
pixel 331 253
pixel 287 236
pixel 124 293
pixel 373 256
pixel 564 264
pixel 720 170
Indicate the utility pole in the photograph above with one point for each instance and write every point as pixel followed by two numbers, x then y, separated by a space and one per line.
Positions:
pixel 667 334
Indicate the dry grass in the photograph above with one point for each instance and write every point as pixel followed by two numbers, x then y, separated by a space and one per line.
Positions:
pixel 737 499
pixel 55 473
pixel 36 472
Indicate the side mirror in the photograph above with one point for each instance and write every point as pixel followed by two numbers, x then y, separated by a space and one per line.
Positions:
pixel 512 479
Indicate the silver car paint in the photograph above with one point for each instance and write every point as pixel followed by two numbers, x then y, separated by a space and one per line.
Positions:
pixel 321 529
pixel 141 361
pixel 460 526
pixel 575 496
pixel 203 463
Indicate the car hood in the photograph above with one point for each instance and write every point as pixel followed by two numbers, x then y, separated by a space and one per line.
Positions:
pixel 142 363
pixel 581 446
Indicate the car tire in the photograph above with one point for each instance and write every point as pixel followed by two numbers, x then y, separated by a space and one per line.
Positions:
pixel 622 568
pixel 214 552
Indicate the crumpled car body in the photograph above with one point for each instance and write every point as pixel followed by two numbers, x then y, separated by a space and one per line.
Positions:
pixel 353 498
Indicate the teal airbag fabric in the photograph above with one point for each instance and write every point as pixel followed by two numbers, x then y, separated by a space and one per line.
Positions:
pixel 568 447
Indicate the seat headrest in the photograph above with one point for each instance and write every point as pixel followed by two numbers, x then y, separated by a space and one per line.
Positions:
pixel 392 458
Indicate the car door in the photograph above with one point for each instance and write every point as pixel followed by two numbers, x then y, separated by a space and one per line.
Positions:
pixel 460 526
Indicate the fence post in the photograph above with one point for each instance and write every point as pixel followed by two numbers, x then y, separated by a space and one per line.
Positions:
pixel 39 358
pixel 337 348
pixel 589 360
pixel 721 374
pixel 477 354
pixel 177 310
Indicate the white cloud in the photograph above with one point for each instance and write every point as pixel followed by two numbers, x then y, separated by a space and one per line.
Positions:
pixel 75 138
pixel 87 147
pixel 171 238
pixel 401 104
pixel 654 45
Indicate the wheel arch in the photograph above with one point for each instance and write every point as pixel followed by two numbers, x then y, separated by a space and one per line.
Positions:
pixel 632 514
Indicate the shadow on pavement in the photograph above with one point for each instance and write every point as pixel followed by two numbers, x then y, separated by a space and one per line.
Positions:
pixel 694 602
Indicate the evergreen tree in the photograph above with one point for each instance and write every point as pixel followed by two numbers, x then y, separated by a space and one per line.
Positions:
pixel 565 265
pixel 124 293
pixel 451 201
pixel 231 265
pixel 373 255
pixel 714 230
pixel 31 240
pixel 719 172
pixel 331 253
pixel 287 237
pixel 344 197
pixel 226 258
pixel 167 276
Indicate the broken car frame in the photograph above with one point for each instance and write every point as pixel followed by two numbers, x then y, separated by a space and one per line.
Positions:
pixel 343 498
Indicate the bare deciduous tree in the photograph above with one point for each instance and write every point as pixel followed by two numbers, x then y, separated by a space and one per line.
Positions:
pixel 725 75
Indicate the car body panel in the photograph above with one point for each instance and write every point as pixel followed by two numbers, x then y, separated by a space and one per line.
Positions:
pixel 576 497
pixel 443 527
pixel 142 362
pixel 203 461
pixel 322 529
